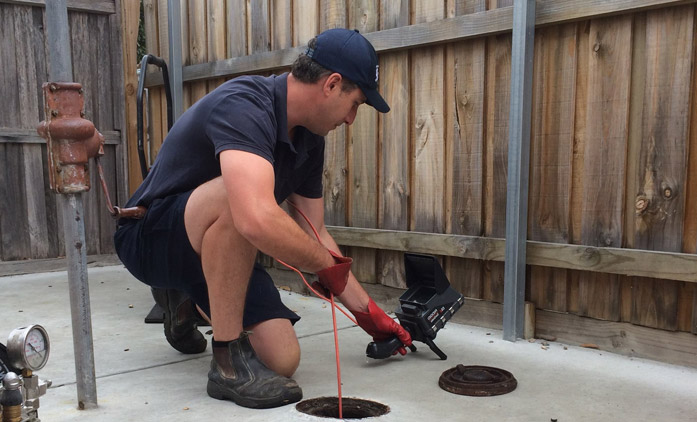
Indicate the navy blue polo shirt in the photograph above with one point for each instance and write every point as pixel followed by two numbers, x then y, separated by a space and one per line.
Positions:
pixel 248 114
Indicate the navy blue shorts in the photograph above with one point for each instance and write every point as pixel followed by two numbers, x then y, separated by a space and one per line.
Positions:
pixel 157 251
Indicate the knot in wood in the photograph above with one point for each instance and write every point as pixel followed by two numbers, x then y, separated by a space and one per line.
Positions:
pixel 641 204
pixel 596 47
pixel 420 123
pixel 667 192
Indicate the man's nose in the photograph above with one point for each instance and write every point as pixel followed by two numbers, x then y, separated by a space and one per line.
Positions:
pixel 351 116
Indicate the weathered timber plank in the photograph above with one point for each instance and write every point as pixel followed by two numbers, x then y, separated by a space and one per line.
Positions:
pixel 306 20
pixel 13 209
pixel 636 126
pixel 605 157
pixel 553 127
pixel 281 20
pixel 258 24
pixel 578 155
pixel 14 225
pixel 198 47
pixel 551 156
pixel 217 47
pixel 364 16
pixel 84 56
pixel 690 231
pixel 694 313
pixel 107 224
pixel 237 28
pixel 660 199
pixel 689 243
pixel 622 338
pixel 130 17
pixel 633 262
pixel 163 42
pixel 39 50
pixel 332 15
pixel 362 157
pixel 394 191
pixel 8 77
pixel 685 300
pixel 89 6
pixel 466 7
pixel 465 104
pixel 496 154
pixel 163 28
pixel 654 303
pixel 105 68
pixel 447 30
pixel 427 138
pixel 106 91
pixel 29 136
pixel 661 176
pixel 8 268
pixel 120 195
pixel 29 114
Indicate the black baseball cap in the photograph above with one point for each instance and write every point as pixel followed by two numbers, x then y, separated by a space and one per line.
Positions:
pixel 348 53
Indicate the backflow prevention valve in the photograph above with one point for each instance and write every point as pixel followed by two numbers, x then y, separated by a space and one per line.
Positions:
pixel 425 307
pixel 72 140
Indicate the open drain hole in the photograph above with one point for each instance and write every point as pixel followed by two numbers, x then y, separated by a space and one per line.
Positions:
pixel 328 407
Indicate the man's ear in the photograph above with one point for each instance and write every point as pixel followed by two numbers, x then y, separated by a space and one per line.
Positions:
pixel 332 82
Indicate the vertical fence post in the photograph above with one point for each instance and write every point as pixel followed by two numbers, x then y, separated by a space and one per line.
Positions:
pixel 61 70
pixel 518 166
pixel 174 18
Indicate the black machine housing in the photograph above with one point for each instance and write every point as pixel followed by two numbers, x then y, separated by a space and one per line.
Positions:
pixel 424 308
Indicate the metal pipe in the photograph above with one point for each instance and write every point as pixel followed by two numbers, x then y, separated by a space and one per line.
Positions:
pixel 518 168
pixel 174 20
pixel 60 70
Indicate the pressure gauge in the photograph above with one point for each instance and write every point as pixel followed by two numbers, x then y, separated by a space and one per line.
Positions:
pixel 28 347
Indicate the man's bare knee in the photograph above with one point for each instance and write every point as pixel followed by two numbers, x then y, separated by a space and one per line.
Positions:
pixel 276 344
pixel 207 205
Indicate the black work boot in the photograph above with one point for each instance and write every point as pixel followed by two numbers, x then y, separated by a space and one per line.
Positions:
pixel 180 321
pixel 238 375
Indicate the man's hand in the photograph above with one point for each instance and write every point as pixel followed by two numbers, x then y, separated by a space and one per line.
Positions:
pixel 380 326
pixel 334 278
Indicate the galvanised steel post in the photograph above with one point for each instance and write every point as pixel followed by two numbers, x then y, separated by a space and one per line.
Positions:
pixel 60 70
pixel 518 165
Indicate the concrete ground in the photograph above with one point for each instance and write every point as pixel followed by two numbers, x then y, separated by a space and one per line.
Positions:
pixel 140 377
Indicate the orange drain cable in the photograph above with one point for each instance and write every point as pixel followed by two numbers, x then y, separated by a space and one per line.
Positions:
pixel 336 334
pixel 334 307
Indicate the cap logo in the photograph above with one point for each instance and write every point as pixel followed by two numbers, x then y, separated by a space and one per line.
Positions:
pixel 377 72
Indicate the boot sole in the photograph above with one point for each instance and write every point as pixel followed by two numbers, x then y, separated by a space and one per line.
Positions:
pixel 220 393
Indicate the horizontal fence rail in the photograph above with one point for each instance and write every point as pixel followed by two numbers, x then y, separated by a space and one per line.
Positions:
pixel 29 136
pixel 458 28
pixel 632 262
pixel 106 7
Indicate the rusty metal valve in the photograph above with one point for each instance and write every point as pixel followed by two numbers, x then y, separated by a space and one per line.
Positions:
pixel 72 140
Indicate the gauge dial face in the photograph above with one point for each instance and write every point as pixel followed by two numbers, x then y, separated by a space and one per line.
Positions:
pixel 28 347
pixel 35 349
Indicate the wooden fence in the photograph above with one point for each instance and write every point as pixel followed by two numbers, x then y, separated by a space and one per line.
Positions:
pixel 613 178
pixel 29 222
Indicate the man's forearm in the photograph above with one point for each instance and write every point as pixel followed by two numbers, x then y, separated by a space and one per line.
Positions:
pixel 278 235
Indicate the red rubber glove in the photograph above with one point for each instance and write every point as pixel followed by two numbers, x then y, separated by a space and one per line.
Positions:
pixel 334 278
pixel 381 327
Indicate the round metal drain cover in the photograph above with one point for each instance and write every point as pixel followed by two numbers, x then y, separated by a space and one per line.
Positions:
pixel 352 408
pixel 480 381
